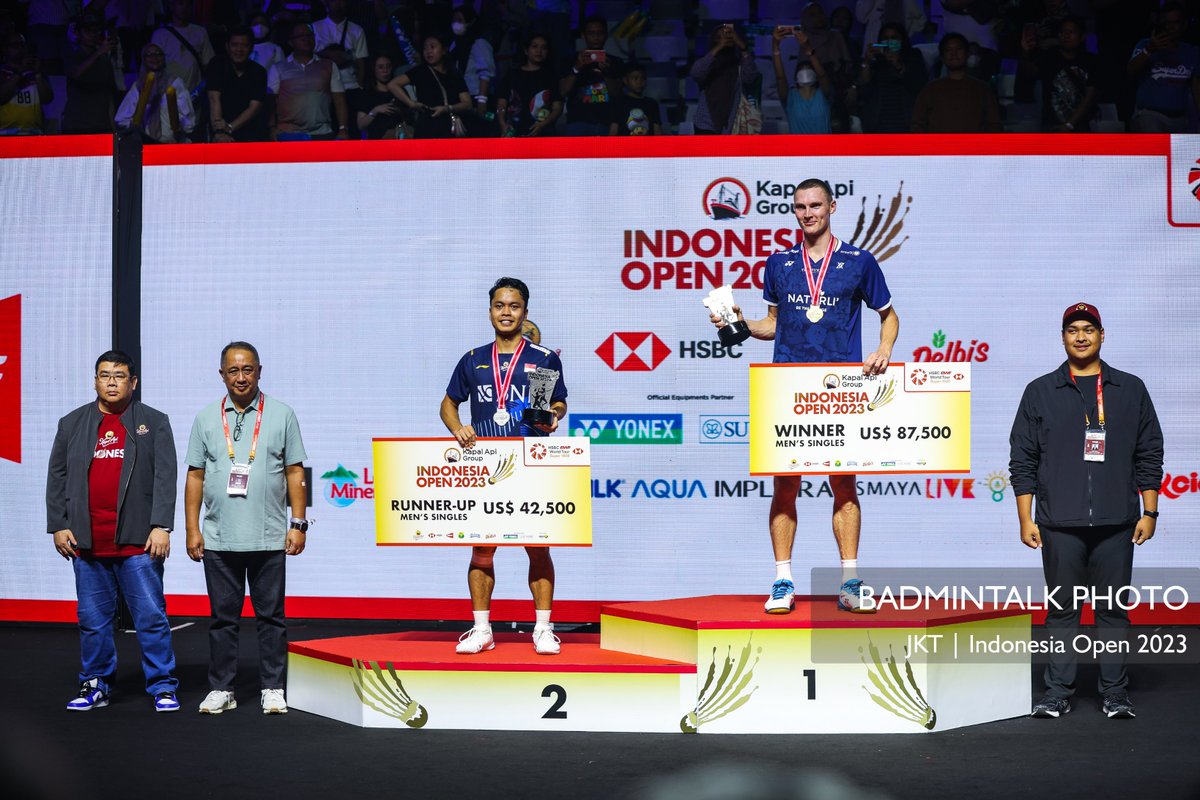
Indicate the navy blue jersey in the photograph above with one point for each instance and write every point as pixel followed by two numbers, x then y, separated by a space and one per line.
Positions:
pixel 854 278
pixel 473 380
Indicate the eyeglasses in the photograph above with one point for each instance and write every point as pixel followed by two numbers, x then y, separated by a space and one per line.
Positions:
pixel 113 377
pixel 233 372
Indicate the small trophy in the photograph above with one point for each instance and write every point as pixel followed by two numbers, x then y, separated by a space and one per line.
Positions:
pixel 541 389
pixel 720 303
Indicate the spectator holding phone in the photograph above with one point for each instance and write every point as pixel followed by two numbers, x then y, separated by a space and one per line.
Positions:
pixel 91 78
pixel 591 84
pixel 379 114
pixel 722 74
pixel 441 93
pixel 527 99
pixel 893 74
pixel 807 100
pixel 909 15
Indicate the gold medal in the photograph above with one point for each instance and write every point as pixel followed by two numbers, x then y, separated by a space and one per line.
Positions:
pixel 814 314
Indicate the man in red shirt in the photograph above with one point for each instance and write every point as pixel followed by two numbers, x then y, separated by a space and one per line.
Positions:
pixel 110 503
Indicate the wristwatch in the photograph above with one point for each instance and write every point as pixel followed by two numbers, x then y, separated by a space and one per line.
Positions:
pixel 298 524
pixel 1150 514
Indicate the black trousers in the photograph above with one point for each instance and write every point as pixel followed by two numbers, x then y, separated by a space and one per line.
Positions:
pixel 1100 558
pixel 227 574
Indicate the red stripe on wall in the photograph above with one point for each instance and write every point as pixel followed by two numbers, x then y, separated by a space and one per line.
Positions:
pixel 55 146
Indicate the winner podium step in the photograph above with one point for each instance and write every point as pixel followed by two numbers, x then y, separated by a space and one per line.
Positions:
pixel 712 664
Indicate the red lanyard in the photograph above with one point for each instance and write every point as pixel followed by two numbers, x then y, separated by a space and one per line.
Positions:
pixel 814 287
pixel 1099 401
pixel 502 385
pixel 257 426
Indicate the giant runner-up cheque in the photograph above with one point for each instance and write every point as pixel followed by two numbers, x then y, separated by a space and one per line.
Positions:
pixel 831 419
pixel 534 491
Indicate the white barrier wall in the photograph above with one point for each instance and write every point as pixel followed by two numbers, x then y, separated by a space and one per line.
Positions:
pixel 55 318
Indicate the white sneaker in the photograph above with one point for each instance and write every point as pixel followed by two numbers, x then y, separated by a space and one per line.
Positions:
pixel 475 640
pixel 782 599
pixel 218 701
pixel 273 702
pixel 545 642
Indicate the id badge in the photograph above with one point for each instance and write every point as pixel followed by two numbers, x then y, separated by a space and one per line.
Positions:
pixel 239 479
pixel 1093 446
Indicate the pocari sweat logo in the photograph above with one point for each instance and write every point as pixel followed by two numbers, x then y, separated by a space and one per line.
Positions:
pixel 629 428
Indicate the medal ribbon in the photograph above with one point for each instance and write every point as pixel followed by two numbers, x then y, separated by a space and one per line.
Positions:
pixel 502 385
pixel 1099 401
pixel 257 426
pixel 814 288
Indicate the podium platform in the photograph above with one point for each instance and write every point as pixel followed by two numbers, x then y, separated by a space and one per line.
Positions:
pixel 714 664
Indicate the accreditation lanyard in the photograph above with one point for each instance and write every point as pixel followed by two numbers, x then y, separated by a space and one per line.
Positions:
pixel 815 312
pixel 1093 441
pixel 258 426
pixel 501 417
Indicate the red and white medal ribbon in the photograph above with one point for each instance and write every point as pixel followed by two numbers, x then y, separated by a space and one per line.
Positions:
pixel 815 312
pixel 502 417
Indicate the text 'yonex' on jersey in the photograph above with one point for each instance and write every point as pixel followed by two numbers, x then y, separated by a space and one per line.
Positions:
pixel 473 380
pixel 853 278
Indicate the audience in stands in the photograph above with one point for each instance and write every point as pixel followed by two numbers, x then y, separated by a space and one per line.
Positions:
pixel 634 114
pixel 441 99
pixel 237 92
pixel 1125 52
pixel 893 74
pixel 591 83
pixel 379 115
pixel 957 103
pixel 303 89
pixel 1068 74
pixel 166 115
pixel 806 98
pixel 527 99
pixel 24 89
pixel 722 74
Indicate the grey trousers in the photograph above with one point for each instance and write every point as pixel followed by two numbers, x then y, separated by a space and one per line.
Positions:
pixel 1100 558
pixel 227 574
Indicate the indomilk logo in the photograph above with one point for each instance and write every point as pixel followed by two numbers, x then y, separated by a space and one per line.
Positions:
pixel 10 378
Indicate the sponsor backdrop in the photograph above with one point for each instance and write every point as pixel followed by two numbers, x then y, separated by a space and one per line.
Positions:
pixel 363 282
pixel 55 318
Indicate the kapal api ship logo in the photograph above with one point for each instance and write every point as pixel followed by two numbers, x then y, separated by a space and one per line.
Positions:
pixel 726 198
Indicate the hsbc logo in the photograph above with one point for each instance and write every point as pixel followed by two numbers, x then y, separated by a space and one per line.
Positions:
pixel 633 352
pixel 10 378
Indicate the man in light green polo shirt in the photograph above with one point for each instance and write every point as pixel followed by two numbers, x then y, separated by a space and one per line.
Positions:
pixel 245 461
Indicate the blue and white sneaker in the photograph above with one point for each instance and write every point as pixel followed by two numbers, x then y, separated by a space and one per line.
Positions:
pixel 850 598
pixel 91 695
pixel 166 701
pixel 783 597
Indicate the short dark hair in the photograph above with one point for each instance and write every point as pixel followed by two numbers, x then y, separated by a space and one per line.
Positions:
pixel 588 20
pixel 815 183
pixel 240 346
pixel 949 37
pixel 634 66
pixel 241 30
pixel 509 283
pixel 116 357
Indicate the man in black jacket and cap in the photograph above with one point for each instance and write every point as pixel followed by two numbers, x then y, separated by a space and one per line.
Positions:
pixel 1087 442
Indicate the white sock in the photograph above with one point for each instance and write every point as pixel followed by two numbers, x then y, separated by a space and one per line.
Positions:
pixel 849 569
pixel 482 620
pixel 541 618
pixel 783 570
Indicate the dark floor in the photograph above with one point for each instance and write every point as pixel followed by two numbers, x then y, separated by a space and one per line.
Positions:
pixel 126 751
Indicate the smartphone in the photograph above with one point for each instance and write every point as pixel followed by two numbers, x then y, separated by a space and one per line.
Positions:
pixel 787 29
pixel 596 56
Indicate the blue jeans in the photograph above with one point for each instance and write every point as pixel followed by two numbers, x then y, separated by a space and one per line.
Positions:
pixel 140 579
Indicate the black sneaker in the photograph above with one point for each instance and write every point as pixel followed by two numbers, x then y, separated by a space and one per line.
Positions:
pixel 1117 706
pixel 1051 707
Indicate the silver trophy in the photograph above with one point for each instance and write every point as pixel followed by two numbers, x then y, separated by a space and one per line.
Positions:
pixel 541 389
pixel 720 303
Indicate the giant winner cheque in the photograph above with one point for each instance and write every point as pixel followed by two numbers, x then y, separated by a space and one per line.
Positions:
pixel 511 491
pixel 831 419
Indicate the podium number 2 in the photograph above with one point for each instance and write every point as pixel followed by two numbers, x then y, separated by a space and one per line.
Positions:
pixel 560 695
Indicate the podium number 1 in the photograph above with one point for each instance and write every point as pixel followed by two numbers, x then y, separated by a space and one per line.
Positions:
pixel 811 676
pixel 560 695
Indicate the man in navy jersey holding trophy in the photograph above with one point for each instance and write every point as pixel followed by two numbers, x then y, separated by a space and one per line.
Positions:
pixel 495 378
pixel 814 293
